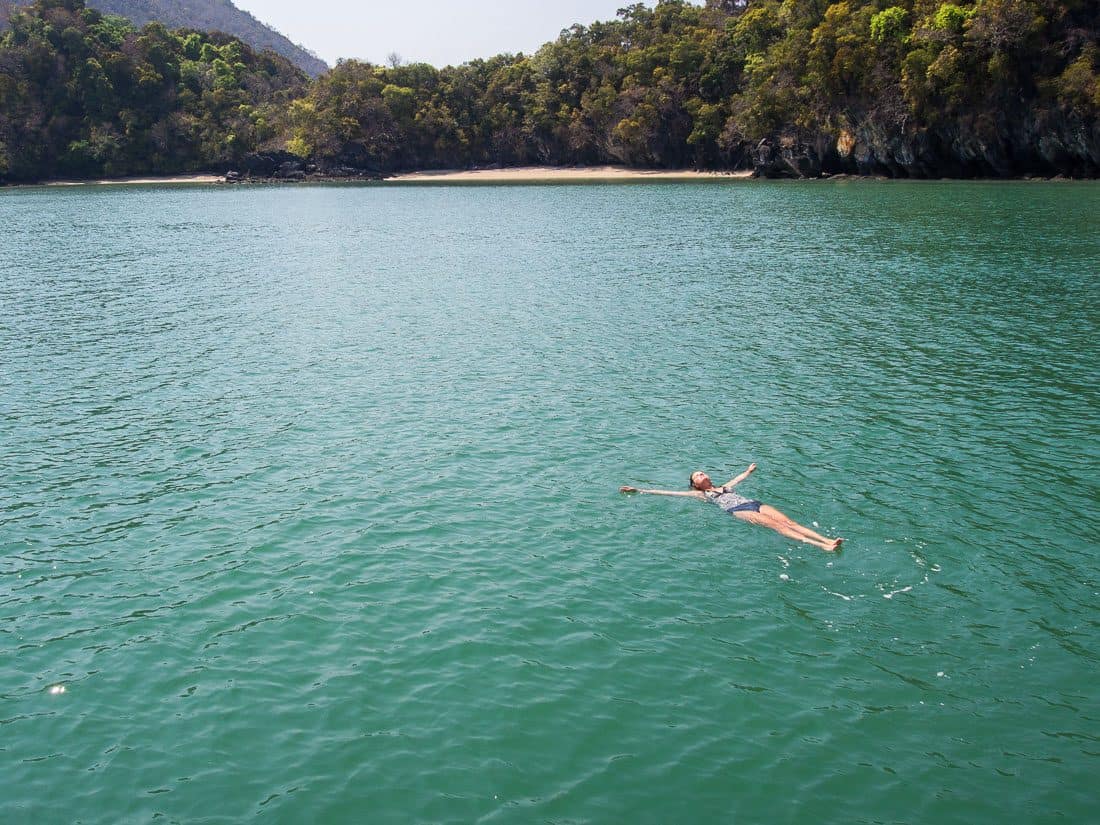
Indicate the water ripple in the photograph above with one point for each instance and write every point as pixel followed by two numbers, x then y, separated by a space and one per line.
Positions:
pixel 309 503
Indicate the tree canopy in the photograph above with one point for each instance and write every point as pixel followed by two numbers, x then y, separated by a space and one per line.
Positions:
pixel 901 87
pixel 85 94
pixel 203 15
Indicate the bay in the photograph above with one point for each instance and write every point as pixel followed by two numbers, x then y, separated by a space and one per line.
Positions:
pixel 309 508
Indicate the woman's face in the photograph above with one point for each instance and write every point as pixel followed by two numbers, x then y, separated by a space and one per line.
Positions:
pixel 701 481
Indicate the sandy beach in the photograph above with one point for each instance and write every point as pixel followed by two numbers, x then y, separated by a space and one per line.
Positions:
pixel 519 174
pixel 119 181
pixel 538 174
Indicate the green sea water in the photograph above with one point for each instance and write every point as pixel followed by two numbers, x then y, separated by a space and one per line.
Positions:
pixel 309 503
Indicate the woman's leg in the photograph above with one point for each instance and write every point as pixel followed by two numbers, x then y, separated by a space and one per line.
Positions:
pixel 784 528
pixel 770 511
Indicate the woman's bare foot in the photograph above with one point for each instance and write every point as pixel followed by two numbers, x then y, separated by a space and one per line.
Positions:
pixel 834 545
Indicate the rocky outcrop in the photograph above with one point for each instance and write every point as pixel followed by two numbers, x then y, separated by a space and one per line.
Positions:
pixel 271 164
pixel 786 157
pixel 1034 145
pixel 280 165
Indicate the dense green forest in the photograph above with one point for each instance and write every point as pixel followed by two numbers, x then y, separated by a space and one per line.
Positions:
pixel 84 94
pixel 788 87
pixel 206 15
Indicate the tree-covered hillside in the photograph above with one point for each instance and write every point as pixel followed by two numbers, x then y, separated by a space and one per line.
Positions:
pixel 898 87
pixel 917 88
pixel 210 15
pixel 84 94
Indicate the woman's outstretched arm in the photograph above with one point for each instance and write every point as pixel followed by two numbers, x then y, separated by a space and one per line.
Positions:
pixel 688 493
pixel 733 482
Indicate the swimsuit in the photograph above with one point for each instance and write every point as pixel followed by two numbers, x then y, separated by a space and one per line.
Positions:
pixel 730 501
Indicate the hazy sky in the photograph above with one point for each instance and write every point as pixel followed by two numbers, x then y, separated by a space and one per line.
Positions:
pixel 432 31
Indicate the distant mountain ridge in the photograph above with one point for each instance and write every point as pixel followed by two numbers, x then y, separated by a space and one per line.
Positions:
pixel 207 15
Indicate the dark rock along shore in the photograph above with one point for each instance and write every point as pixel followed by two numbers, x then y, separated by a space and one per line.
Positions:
pixel 286 166
pixel 1007 148
pixel 1029 146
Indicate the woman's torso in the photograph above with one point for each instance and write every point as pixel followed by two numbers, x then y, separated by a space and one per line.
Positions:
pixel 724 498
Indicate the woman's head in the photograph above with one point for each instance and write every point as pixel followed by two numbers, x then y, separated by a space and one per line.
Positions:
pixel 699 481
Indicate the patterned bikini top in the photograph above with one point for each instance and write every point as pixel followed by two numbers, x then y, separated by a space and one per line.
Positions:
pixel 724 497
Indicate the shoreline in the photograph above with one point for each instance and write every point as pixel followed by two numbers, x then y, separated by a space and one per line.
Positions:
pixel 519 174
pixel 144 179
pixel 540 174
pixel 506 175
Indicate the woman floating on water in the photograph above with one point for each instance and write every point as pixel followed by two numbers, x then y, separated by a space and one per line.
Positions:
pixel 744 508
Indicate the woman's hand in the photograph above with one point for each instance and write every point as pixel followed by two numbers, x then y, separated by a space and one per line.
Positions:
pixel 752 469
pixel 628 489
